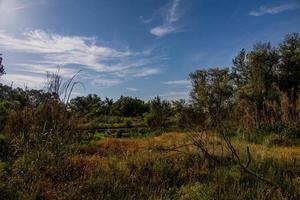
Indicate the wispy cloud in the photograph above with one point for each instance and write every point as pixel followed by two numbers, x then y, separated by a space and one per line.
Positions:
pixel 41 69
pixel 146 20
pixel 105 82
pixel 272 10
pixel 8 6
pixel 177 82
pixel 131 89
pixel 25 80
pixel 146 72
pixel 45 50
pixel 169 21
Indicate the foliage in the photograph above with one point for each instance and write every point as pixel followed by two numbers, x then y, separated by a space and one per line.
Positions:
pixel 159 113
pixel 289 73
pixel 212 92
pixel 2 71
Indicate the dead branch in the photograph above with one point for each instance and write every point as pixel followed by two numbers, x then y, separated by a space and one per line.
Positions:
pixel 200 145
pixel 245 168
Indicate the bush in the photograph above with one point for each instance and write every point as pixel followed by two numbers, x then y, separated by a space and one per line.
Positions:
pixel 154 120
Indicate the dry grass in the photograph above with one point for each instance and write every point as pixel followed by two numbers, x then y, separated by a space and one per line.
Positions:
pixel 136 169
pixel 285 153
pixel 125 148
pixel 141 149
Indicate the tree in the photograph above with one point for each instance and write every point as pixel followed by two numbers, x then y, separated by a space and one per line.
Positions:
pixel 185 114
pixel 90 104
pixel 212 91
pixel 160 110
pixel 289 69
pixel 240 70
pixel 2 71
pixel 254 76
pixel 129 107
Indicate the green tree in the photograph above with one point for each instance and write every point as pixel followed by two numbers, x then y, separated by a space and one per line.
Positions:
pixel 129 107
pixel 212 92
pixel 185 114
pixel 255 74
pixel 289 69
pixel 90 104
pixel 240 69
pixel 160 110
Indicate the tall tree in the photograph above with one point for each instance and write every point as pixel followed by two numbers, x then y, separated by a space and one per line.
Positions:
pixel 255 74
pixel 240 69
pixel 289 69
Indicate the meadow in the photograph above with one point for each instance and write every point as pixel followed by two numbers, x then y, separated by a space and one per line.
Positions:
pixel 161 166
pixel 237 138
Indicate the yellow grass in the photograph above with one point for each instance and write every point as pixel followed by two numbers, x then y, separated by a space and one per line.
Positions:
pixel 121 150
pixel 174 138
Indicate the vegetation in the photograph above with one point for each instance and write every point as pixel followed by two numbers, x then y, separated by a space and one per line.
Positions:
pixel 1 66
pixel 238 137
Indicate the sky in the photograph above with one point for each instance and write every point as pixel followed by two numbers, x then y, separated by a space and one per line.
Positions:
pixel 139 48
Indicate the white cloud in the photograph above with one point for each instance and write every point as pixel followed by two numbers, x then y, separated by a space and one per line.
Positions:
pixel 163 30
pixel 42 69
pixel 141 72
pixel 146 21
pixel 272 10
pixel 105 82
pixel 8 6
pixel 170 19
pixel 147 72
pixel 25 80
pixel 42 51
pixel 34 76
pixel 64 50
pixel 172 14
pixel 132 89
pixel 177 82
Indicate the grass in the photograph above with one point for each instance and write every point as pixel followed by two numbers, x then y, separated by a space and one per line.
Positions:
pixel 137 168
pixel 188 175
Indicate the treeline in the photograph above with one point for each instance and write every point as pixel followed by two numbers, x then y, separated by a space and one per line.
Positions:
pixel 93 110
pixel 260 90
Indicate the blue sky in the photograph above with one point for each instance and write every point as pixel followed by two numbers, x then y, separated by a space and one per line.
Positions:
pixel 141 48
